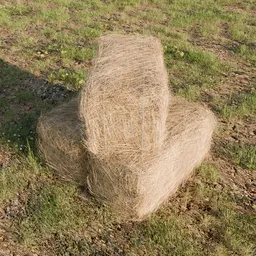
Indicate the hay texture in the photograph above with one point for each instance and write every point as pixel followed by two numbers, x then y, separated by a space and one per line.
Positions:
pixel 125 101
pixel 137 192
pixel 60 142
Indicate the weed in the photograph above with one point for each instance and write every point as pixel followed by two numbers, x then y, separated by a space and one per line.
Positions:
pixel 77 53
pixel 56 16
pixel 10 75
pixel 56 208
pixel 24 96
pixel 190 92
pixel 4 17
pixel 15 178
pixel 209 29
pixel 248 52
pixel 243 30
pixel 3 103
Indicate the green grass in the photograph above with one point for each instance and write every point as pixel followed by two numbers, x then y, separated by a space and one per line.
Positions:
pixel 208 173
pixel 18 135
pixel 54 210
pixel 238 106
pixel 72 79
pixel 15 179
pixel 243 155
pixel 169 236
pixel 45 53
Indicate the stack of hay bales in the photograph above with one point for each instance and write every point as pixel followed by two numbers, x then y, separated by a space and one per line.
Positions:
pixel 132 144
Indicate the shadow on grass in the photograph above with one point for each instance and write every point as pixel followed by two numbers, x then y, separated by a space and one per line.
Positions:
pixel 23 97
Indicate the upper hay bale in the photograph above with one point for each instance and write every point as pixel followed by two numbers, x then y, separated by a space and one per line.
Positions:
pixel 60 142
pixel 125 101
pixel 135 193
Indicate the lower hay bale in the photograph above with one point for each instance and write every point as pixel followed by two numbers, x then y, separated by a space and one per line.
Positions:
pixel 190 128
pixel 133 191
pixel 60 142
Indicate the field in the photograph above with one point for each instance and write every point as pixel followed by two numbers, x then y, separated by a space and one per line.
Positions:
pixel 46 48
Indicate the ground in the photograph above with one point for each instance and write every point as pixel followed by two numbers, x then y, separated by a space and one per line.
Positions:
pixel 46 48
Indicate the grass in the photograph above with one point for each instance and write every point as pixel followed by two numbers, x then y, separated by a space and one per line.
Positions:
pixel 45 53
pixel 243 155
pixel 238 106
pixel 14 179
pixel 170 236
pixel 71 78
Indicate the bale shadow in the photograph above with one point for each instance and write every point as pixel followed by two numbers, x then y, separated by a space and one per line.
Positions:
pixel 23 97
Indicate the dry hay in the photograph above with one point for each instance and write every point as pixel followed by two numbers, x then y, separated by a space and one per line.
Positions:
pixel 125 101
pixel 135 193
pixel 60 142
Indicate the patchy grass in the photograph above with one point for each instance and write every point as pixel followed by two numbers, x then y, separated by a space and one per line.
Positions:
pixel 14 179
pixel 243 155
pixel 72 79
pixel 238 106
pixel 169 236
pixel 208 173
pixel 54 208
pixel 45 53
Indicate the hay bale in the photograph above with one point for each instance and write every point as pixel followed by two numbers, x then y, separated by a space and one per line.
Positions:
pixel 138 191
pixel 60 142
pixel 190 128
pixel 125 101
